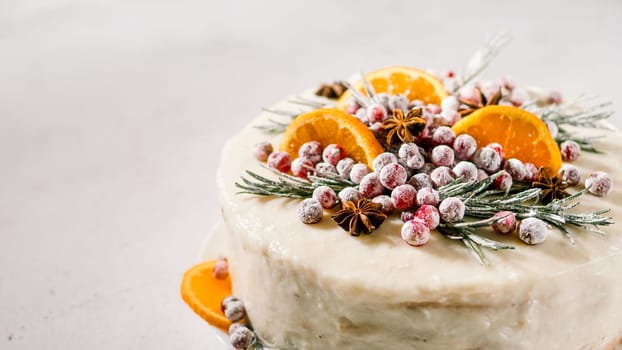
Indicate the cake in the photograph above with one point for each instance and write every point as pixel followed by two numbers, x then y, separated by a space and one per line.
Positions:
pixel 315 286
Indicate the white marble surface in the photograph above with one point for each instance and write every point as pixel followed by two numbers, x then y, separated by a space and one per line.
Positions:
pixel 112 115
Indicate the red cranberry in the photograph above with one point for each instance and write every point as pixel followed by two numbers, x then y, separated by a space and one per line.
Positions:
pixel 325 196
pixel 570 174
pixel 532 231
pixel 429 215
pixel 280 161
pixel 301 167
pixel 325 169
pixel 503 182
pixel 311 150
pixel 570 150
pixel 441 176
pixel 221 269
pixel 385 201
pixel 349 194
pixel 531 172
pixel 554 97
pixel 352 106
pixel 234 310
pixel 599 183
pixel 383 159
pixel 433 109
pixel 450 103
pixel 464 146
pixel 310 211
pixel 467 170
pixel 407 215
pixel 263 150
pixel 443 135
pixel 376 113
pixel 428 196
pixel 481 175
pixel 344 167
pixel 393 175
pixel 358 172
pixel 451 209
pixel 241 338
pixel 442 155
pixel 403 197
pixel 497 148
pixel 333 153
pixel 397 102
pixel 415 233
pixel 515 168
pixel 487 159
pixel 506 222
pixel 420 181
pixel 450 117
pixel 370 186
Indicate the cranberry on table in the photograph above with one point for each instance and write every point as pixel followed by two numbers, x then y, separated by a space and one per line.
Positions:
pixel 371 186
pixel 393 175
pixel 429 215
pixel 407 150
pixel 280 161
pixel 481 175
pixel 495 146
pixel 420 181
pixel 532 231
pixel 357 172
pixel 311 150
pixel 515 168
pixel 467 170
pixel 403 197
pixel 442 176
pixel 301 167
pixel 333 153
pixel 451 209
pixel 599 183
pixel 570 150
pixel 384 159
pixel 407 215
pixel 234 310
pixel 570 174
pixel 325 196
pixel 385 201
pixel 325 169
pixel 531 172
pixel 221 269
pixel 310 211
pixel 263 150
pixel 376 113
pixel 506 222
pixel 352 106
pixel 442 155
pixel 349 194
pixel 415 232
pixel 465 146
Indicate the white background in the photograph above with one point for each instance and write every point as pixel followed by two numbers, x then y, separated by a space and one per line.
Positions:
pixel 113 113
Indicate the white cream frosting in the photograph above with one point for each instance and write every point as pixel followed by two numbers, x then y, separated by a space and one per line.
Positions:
pixel 316 287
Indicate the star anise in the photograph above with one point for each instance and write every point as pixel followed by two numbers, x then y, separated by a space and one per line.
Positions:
pixel 404 128
pixel 363 216
pixel 469 106
pixel 334 90
pixel 553 187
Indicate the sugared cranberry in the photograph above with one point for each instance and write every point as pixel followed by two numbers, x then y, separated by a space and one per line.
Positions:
pixel 433 109
pixel 429 215
pixel 349 194
pixel 325 169
pixel 383 159
pixel 451 209
pixel 506 222
pixel 487 159
pixel 519 96
pixel 358 172
pixel 450 103
pixel 352 106
pixel 428 196
pixel 443 135
pixel 326 196
pixel 234 326
pixel 570 174
pixel 515 168
pixel 310 211
pixel 280 161
pixel 376 113
pixel 234 310
pixel 407 150
pixel 554 97
pixel 570 150
pixel 415 162
pixel 420 181
pixel 450 117
pixel 398 102
pixel 415 232
pixel 503 182
pixel 442 155
pixel 532 231
pixel 495 146
pixel 221 269
pixel 467 170
pixel 241 338
pixel 531 172
pixel 481 175
pixel 311 150
pixel 344 167
pixel 383 99
pixel 370 185
pixel 464 146
pixel 441 176
pixel 333 153
pixel 385 201
pixel 393 175
pixel 599 183
pixel 403 197
pixel 302 167
pixel 508 83
pixel 407 215
pixel 263 150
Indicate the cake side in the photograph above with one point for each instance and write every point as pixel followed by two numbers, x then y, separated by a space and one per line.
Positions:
pixel 428 298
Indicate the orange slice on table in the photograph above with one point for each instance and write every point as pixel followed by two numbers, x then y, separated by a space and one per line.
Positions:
pixel 523 135
pixel 329 125
pixel 415 83
pixel 203 293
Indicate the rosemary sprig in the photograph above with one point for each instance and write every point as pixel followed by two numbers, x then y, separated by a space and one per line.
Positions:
pixel 465 231
pixel 480 60
pixel 274 126
pixel 288 186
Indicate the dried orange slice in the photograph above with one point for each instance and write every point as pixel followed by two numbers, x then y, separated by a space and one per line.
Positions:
pixel 203 293
pixel 415 83
pixel 329 125
pixel 523 135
